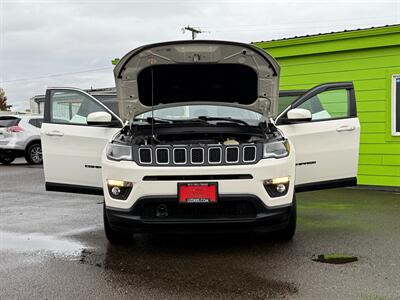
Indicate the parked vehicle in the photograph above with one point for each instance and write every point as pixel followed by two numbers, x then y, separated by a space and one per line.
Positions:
pixel 198 143
pixel 20 137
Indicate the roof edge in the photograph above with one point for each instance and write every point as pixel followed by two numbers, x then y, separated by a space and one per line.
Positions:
pixel 330 36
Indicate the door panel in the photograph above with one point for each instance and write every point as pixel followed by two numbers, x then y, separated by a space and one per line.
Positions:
pixel 71 149
pixel 322 152
pixel 327 146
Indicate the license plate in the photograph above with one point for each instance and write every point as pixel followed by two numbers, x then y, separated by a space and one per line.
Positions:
pixel 198 192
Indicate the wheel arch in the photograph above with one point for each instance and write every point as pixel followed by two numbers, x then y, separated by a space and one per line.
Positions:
pixel 34 141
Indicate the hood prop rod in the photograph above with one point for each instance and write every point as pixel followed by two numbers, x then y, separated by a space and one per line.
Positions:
pixel 152 106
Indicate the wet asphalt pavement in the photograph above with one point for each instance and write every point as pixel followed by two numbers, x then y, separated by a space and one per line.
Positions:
pixel 52 246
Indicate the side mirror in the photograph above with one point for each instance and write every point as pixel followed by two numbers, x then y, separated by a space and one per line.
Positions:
pixel 99 118
pixel 297 115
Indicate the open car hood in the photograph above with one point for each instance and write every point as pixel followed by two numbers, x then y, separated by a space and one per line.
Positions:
pixel 197 72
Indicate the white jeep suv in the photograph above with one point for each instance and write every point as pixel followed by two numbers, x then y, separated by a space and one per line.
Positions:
pixel 197 144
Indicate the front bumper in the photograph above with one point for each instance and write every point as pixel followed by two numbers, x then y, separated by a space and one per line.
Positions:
pixel 234 213
pixel 152 181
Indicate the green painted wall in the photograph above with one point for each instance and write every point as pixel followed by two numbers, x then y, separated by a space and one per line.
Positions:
pixel 368 58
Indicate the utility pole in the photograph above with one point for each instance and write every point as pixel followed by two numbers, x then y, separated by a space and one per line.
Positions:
pixel 194 31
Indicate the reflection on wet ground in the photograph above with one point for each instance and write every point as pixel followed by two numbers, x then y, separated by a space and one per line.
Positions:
pixel 39 244
pixel 198 266
pixel 52 246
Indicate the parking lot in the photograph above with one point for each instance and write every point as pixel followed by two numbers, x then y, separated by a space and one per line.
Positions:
pixel 52 246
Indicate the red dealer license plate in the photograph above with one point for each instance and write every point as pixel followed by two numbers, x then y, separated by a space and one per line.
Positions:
pixel 198 192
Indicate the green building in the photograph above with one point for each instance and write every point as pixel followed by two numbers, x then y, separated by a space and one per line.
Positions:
pixel 371 59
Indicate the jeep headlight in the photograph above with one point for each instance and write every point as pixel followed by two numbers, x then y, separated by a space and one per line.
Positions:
pixel 119 152
pixel 277 149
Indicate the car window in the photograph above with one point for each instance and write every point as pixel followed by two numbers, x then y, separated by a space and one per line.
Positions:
pixel 36 122
pixel 328 105
pixel 72 107
pixel 9 121
pixel 285 101
pixel 111 101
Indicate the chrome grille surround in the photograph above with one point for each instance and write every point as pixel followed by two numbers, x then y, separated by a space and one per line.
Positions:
pixel 157 155
pixel 244 153
pixel 138 152
pixel 191 156
pixel 226 154
pixel 220 155
pixel 179 148
pixel 140 155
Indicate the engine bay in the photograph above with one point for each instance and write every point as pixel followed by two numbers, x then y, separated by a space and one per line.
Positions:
pixel 196 135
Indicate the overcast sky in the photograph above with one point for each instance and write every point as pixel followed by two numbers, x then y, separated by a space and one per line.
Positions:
pixel 72 43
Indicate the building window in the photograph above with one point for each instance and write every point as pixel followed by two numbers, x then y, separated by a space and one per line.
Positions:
pixel 396 105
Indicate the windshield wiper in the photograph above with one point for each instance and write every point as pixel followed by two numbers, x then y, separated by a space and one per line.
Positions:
pixel 228 119
pixel 195 120
pixel 200 119
pixel 151 120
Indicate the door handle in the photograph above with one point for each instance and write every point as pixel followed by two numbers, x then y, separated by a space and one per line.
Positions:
pixel 345 128
pixel 54 133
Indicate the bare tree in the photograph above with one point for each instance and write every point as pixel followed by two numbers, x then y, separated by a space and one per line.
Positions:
pixel 3 101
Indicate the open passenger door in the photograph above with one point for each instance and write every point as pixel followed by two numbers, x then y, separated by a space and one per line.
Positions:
pixel 74 134
pixel 326 143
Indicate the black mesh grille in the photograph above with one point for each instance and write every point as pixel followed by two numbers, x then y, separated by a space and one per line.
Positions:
pixel 234 209
pixel 197 156
pixel 214 155
pixel 180 156
pixel 249 154
pixel 162 156
pixel 145 155
pixel 232 154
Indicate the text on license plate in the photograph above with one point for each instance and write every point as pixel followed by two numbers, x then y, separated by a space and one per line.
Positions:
pixel 198 192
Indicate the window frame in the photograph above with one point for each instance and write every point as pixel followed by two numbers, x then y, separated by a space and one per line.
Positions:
pixel 115 122
pixel 394 108
pixel 348 86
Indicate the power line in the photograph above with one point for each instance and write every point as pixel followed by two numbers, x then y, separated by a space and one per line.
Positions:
pixel 54 75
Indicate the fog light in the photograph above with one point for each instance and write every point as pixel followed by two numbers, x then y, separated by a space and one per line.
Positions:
pixel 281 188
pixel 116 191
pixel 119 189
pixel 277 187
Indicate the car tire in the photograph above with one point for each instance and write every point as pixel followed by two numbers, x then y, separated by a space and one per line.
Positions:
pixel 33 154
pixel 6 160
pixel 115 237
pixel 287 233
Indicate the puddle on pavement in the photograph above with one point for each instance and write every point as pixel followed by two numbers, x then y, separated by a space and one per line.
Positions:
pixel 198 274
pixel 38 243
pixel 334 258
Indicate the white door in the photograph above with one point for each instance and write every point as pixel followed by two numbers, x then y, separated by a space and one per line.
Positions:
pixel 72 148
pixel 326 146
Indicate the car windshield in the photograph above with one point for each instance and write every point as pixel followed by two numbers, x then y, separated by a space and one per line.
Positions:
pixel 187 112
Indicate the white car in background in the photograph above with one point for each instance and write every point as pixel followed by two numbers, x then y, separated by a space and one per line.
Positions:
pixel 198 143
pixel 20 137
